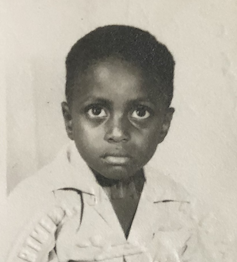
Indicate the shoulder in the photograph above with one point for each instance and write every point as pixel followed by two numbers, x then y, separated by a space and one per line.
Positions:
pixel 35 193
pixel 33 187
pixel 166 188
pixel 32 195
pixel 174 204
pixel 43 182
pixel 31 200
pixel 26 203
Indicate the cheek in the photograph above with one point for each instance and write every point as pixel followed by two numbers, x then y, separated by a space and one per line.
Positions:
pixel 86 136
pixel 150 135
pixel 147 140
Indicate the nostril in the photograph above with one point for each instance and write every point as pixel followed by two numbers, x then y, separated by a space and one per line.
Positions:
pixel 116 135
pixel 117 140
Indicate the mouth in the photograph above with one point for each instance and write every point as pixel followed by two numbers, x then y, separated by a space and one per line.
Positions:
pixel 116 159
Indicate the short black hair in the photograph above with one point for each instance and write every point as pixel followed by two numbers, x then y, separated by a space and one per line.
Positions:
pixel 128 43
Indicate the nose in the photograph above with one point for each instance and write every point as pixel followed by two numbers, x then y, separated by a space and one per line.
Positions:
pixel 117 130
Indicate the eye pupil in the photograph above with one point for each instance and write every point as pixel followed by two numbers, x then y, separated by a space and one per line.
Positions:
pixel 141 112
pixel 96 111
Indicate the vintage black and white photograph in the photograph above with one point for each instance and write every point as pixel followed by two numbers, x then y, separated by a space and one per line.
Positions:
pixel 118 122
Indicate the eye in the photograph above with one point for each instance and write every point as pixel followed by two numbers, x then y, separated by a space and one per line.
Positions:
pixel 141 112
pixel 96 112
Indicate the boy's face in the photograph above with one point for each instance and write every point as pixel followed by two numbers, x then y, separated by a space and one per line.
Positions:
pixel 116 119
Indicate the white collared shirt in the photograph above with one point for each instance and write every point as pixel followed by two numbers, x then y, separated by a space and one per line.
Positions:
pixel 163 217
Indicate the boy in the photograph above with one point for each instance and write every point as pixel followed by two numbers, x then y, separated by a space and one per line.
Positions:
pixel 98 200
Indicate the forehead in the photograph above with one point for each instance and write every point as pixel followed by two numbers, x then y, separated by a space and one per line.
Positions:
pixel 113 69
pixel 113 79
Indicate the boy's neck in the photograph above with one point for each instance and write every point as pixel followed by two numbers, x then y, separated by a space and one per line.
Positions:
pixel 120 188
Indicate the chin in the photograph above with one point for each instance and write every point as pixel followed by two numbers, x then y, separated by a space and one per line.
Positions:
pixel 117 173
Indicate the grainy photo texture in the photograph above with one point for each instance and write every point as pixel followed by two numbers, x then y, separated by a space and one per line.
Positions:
pixel 120 131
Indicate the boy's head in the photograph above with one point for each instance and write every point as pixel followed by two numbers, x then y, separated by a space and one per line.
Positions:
pixel 119 88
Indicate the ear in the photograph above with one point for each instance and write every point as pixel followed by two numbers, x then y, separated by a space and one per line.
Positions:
pixel 166 123
pixel 67 119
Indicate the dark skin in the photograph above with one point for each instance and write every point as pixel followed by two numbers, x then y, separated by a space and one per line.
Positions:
pixel 117 119
pixel 124 196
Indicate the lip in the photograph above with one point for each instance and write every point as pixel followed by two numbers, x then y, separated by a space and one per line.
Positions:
pixel 116 159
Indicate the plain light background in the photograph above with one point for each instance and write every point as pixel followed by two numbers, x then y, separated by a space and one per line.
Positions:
pixel 201 149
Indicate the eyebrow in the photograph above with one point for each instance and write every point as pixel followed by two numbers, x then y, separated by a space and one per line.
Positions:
pixel 98 100
pixel 109 102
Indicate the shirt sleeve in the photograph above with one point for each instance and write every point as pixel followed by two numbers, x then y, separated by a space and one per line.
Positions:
pixel 207 243
pixel 25 207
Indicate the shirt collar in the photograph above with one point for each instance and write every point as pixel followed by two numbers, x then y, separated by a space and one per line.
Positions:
pixel 69 170
pixel 73 172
